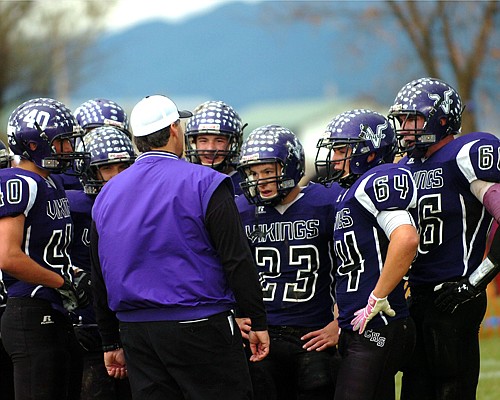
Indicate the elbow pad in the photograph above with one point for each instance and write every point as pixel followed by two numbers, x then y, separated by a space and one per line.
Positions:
pixel 490 266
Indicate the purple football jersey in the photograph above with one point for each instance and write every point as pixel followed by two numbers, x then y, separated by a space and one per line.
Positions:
pixel 294 256
pixel 360 243
pixel 452 222
pixel 80 205
pixel 48 228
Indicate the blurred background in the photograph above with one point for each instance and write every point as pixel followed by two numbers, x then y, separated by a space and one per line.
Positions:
pixel 293 63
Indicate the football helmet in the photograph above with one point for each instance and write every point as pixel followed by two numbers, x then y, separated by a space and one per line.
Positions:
pixel 271 144
pixel 364 132
pixel 37 131
pixel 4 155
pixel 107 145
pixel 437 102
pixel 215 118
pixel 102 112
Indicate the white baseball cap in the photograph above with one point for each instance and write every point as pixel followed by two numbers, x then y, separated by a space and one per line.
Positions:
pixel 153 113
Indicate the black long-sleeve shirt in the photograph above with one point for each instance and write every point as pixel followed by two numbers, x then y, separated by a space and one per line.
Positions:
pixel 223 224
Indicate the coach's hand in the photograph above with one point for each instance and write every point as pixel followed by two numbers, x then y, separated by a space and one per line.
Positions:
pixel 452 294
pixel 259 345
pixel 374 306
pixel 115 363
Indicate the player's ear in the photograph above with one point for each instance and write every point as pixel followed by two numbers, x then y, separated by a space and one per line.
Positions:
pixel 32 146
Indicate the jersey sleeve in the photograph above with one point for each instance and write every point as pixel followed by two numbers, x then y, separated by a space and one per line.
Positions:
pixel 387 189
pixel 17 194
pixel 480 159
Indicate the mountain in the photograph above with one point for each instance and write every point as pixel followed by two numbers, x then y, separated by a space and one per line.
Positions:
pixel 242 53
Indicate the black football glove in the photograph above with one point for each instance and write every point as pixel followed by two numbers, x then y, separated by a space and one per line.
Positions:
pixel 88 337
pixel 452 294
pixel 72 296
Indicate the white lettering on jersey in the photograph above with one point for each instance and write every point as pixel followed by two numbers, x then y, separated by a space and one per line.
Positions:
pixel 58 209
pixel 343 219
pixel 431 179
pixel 279 231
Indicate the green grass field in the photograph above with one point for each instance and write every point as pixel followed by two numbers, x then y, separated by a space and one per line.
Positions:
pixel 489 378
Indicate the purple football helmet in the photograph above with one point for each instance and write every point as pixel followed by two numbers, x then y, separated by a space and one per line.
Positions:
pixel 37 130
pixel 4 155
pixel 101 112
pixel 271 144
pixel 365 132
pixel 215 118
pixel 433 99
pixel 107 145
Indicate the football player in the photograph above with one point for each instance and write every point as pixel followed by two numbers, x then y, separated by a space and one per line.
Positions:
pixel 289 229
pixel 36 231
pixel 458 194
pixel 102 112
pixel 6 374
pixel 213 138
pixel 375 241
pixel 90 115
pixel 111 152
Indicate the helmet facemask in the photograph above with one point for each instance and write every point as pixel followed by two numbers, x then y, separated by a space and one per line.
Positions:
pixel 250 185
pixel 219 119
pixel 66 161
pixel 107 146
pixel 326 161
pixel 229 154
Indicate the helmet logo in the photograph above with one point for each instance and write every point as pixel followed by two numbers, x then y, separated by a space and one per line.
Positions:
pixel 294 148
pixel 375 137
pixel 445 102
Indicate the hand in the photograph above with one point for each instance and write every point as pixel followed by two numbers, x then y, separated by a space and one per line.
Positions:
pixel 259 345
pixel 72 296
pixel 115 364
pixel 245 325
pixel 452 294
pixel 322 338
pixel 374 306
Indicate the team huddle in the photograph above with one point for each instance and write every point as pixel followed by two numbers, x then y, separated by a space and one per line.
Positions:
pixel 175 257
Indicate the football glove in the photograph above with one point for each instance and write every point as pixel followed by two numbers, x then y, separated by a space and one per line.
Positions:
pixel 452 294
pixel 374 306
pixel 88 336
pixel 72 296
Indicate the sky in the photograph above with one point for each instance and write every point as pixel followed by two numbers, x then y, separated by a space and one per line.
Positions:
pixel 130 12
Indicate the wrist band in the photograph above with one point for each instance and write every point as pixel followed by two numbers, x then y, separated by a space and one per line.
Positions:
pixel 111 347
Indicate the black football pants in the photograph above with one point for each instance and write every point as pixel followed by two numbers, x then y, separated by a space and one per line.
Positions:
pixel 44 351
pixel 445 363
pixel 201 360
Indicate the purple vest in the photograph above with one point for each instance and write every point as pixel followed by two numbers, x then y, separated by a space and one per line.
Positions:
pixel 156 256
